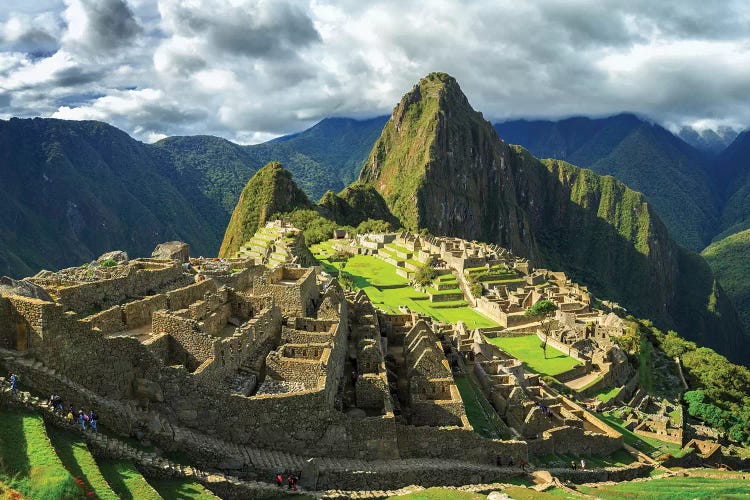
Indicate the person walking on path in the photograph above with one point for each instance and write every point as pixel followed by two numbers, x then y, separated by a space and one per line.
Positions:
pixel 279 480
pixel 82 419
pixel 14 383
pixel 93 420
pixel 583 464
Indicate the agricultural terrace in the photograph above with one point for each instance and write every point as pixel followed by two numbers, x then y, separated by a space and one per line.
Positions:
pixel 527 349
pixel 388 290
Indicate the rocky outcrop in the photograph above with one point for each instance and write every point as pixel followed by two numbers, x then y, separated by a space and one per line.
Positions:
pixel 439 165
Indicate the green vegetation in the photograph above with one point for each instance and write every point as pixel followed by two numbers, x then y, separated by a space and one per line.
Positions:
pixel 77 458
pixel 721 394
pixel 526 349
pixel 729 259
pixel 608 394
pixel 646 157
pixel 174 489
pixel 270 191
pixel 28 462
pixel 425 274
pixel 108 263
pixel 669 488
pixel 440 494
pixel 314 226
pixel 389 291
pixel 374 226
pixel 126 481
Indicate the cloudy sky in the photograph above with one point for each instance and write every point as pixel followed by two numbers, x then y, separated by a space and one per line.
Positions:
pixel 250 70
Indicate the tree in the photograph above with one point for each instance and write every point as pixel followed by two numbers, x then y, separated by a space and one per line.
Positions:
pixel 543 312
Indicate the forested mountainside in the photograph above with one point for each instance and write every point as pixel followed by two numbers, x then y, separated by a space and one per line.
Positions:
pixel 439 165
pixel 674 176
pixel 75 189
pixel 729 259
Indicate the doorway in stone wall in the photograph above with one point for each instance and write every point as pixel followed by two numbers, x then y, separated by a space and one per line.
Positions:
pixel 22 337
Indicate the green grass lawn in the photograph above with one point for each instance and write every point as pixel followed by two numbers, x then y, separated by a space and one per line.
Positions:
pixel 179 489
pixel 608 394
pixel 126 481
pixel 77 458
pixel 674 487
pixel 28 462
pixel 527 349
pixel 440 494
pixel 387 290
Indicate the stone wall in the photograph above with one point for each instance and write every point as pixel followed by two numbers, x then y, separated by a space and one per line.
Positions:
pixel 108 321
pixel 181 298
pixel 456 443
pixel 143 279
pixel 294 290
pixel 187 333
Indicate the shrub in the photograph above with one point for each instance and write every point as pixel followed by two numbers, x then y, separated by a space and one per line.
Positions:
pixel 373 226
pixel 425 275
pixel 476 289
pixel 339 256
pixel 108 263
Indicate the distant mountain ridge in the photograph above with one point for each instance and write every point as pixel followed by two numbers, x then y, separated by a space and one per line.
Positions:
pixel 673 175
pixel 708 140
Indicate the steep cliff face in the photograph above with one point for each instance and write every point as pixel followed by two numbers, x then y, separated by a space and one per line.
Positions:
pixel 271 190
pixel 439 165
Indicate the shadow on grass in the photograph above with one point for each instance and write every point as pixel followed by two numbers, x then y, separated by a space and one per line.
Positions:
pixel 13 446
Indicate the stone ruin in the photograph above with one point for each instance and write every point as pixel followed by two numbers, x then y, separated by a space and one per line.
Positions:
pixel 225 359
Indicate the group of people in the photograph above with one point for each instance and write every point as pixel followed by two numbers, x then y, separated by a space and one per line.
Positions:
pixel 291 481
pixel 574 465
pixel 81 417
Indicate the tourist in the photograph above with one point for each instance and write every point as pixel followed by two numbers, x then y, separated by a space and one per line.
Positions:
pixel 93 420
pixel 70 417
pixel 523 465
pixel 82 419
pixel 279 480
pixel 290 481
pixel 573 464
pixel 14 383
pixel 583 464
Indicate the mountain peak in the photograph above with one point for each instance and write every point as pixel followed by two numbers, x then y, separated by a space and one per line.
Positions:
pixel 271 190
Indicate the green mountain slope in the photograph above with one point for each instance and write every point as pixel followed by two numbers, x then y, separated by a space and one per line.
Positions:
pixel 648 158
pixel 73 190
pixel 732 170
pixel 729 259
pixel 270 191
pixel 439 165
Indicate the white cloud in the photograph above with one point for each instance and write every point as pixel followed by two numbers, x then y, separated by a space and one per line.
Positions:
pixel 251 69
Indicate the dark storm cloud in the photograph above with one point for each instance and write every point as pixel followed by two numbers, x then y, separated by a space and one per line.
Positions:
pixel 33 41
pixel 75 76
pixel 265 30
pixel 104 24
